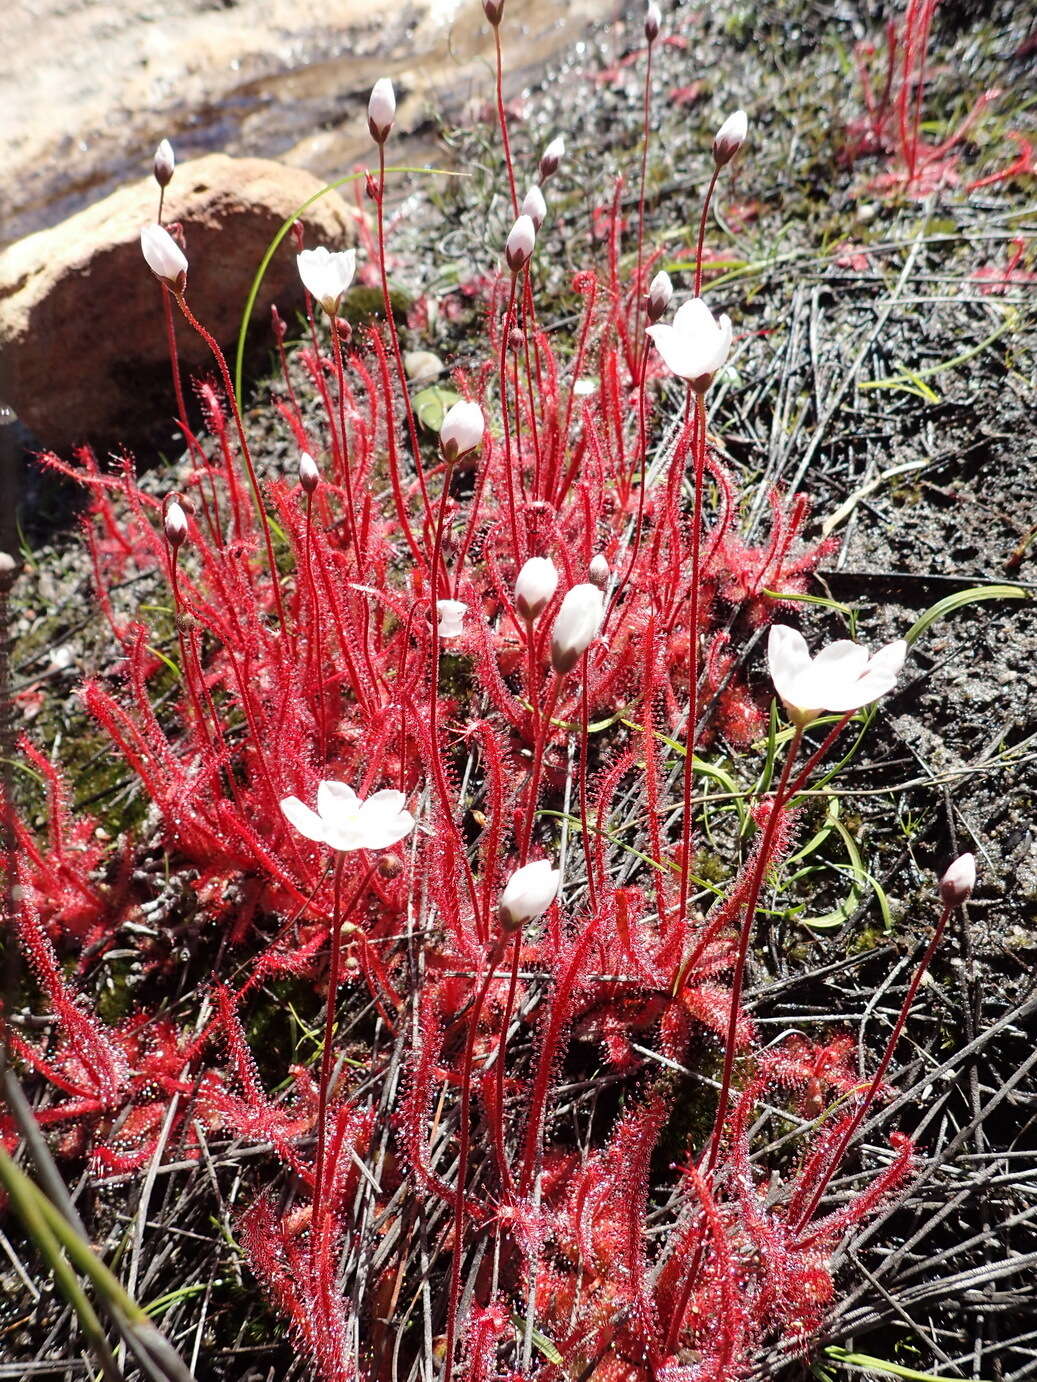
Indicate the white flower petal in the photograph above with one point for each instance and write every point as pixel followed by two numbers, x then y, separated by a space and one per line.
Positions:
pixel 787 656
pixel 335 799
pixel 306 821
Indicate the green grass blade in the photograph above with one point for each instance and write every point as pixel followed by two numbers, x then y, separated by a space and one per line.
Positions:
pixel 865 1363
pixel 950 603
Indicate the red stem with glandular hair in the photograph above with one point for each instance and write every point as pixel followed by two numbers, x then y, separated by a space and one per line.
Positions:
pixel 228 389
pixel 699 464
pixel 869 1098
pixel 394 336
pixel 464 1142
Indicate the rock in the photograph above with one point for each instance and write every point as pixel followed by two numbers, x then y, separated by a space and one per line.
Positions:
pixel 81 322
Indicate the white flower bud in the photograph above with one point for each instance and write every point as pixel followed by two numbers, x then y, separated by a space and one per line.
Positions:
pixel 551 158
pixel 535 586
pixel 309 475
pixel 534 206
pixel 165 258
pixel 660 291
pixel 598 571
pixel 164 163
pixel 576 626
pixel 957 883
pixel 520 244
pixel 653 20
pixel 451 615
pixel 527 894
pixel 730 137
pixel 381 110
pixel 174 521
pixel 462 429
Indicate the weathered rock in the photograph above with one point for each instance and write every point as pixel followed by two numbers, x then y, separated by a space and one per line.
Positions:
pixel 82 338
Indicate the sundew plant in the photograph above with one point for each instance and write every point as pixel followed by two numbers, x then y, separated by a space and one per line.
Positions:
pixel 449 733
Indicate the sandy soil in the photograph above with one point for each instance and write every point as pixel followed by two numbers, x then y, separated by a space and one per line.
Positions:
pixel 89 87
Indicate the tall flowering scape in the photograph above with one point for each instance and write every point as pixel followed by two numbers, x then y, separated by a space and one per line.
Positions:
pixel 372 618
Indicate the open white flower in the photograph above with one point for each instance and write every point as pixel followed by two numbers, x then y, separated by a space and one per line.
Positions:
pixel 451 617
pixel 842 677
pixel 528 893
pixel 327 275
pixel 344 822
pixel 696 345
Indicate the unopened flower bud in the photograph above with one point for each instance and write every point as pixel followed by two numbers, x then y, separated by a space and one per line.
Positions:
pixel 450 618
pixel 174 521
pixel 534 587
pixel 309 475
pixel 493 10
pixel 551 158
pixel 957 883
pixel 520 243
pixel 527 894
pixel 730 137
pixel 660 291
pixel 165 258
pixel 653 19
pixel 389 866
pixel 163 163
pixel 598 571
pixel 516 339
pixel 381 110
pixel 534 206
pixel 576 626
pixel 462 429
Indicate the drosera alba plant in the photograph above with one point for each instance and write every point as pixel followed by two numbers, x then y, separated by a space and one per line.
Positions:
pixel 446 705
pixel 892 84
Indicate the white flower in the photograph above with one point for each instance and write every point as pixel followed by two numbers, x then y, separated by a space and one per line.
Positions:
pixel 309 475
pixel 520 243
pixel 957 883
pixel 165 258
pixel 696 345
pixel 840 678
pixel 527 894
pixel 653 19
pixel 551 158
pixel 660 291
pixel 451 618
pixel 344 822
pixel 730 137
pixel 381 110
pixel 576 626
pixel 584 388
pixel 462 429
pixel 163 163
pixel 534 206
pixel 534 587
pixel 326 275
